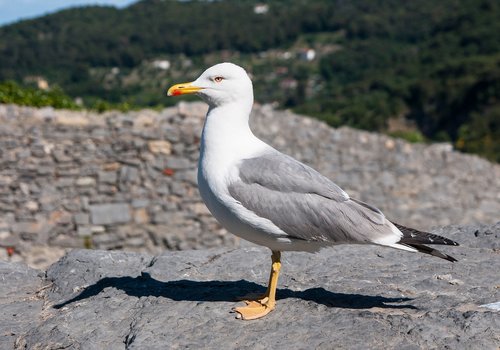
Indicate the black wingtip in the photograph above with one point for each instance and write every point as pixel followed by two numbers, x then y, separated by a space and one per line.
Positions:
pixel 450 258
pixel 413 236
pixel 431 251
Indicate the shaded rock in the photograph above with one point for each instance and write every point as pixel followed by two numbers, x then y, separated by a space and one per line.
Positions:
pixel 20 306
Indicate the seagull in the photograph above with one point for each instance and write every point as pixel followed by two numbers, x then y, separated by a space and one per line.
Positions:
pixel 273 200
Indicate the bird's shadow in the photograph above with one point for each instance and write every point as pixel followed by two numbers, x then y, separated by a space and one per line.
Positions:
pixel 213 291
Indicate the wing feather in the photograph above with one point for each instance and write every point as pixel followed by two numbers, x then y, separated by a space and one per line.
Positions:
pixel 305 204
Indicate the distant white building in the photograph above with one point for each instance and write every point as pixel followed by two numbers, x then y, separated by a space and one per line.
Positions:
pixel 307 55
pixel 161 64
pixel 261 9
pixel 42 84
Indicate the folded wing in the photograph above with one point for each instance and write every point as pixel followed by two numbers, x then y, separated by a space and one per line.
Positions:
pixel 306 205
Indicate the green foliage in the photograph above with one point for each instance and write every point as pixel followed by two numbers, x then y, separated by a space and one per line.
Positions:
pixel 11 92
pixel 434 62
pixel 87 242
pixel 106 37
pixel 101 106
pixel 413 136
pixel 481 134
pixel 438 64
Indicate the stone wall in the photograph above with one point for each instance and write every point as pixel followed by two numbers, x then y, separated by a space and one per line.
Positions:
pixel 128 180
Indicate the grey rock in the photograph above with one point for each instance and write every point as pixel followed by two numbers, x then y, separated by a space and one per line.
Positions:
pixel 134 242
pixel 107 189
pixel 140 203
pixel 113 213
pixel 162 190
pixel 60 156
pixel 110 239
pixel 81 218
pixel 107 176
pixel 189 176
pixel 84 231
pixel 30 227
pixel 38 151
pixel 171 218
pixel 65 182
pixel 346 297
pixel 179 189
pixel 129 174
pixel 20 304
pixel 171 133
pixel 45 170
pixel 178 163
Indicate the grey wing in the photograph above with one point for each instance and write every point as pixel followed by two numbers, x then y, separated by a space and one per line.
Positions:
pixel 279 172
pixel 305 204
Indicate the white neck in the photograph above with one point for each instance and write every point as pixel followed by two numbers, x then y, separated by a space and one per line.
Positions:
pixel 227 137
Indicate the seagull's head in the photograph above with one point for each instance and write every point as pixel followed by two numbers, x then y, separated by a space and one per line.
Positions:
pixel 221 84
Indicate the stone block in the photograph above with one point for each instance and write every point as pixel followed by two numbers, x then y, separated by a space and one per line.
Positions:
pixel 109 177
pixel 171 218
pixel 160 146
pixel 81 218
pixel 178 163
pixel 60 156
pixel 84 231
pixel 85 181
pixel 109 214
pixel 64 182
pixel 141 216
pixel 129 174
pixel 178 189
pixel 140 203
pixel 71 120
pixel 31 206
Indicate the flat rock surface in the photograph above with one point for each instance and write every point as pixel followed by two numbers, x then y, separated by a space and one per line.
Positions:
pixel 346 297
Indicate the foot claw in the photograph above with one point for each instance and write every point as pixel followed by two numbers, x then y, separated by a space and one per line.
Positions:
pixel 253 310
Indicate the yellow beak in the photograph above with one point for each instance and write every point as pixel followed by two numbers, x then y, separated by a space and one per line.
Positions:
pixel 182 89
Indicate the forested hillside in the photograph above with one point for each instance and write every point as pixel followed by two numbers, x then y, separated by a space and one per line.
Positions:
pixel 433 63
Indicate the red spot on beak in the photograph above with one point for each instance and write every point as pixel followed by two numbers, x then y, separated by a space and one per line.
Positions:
pixel 176 92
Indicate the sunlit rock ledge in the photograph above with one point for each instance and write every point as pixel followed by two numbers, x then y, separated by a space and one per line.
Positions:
pixel 347 297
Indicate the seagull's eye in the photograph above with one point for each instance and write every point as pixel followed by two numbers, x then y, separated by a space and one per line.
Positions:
pixel 218 79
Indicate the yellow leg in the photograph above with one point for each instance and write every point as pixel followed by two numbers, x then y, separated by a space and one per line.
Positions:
pixel 262 306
